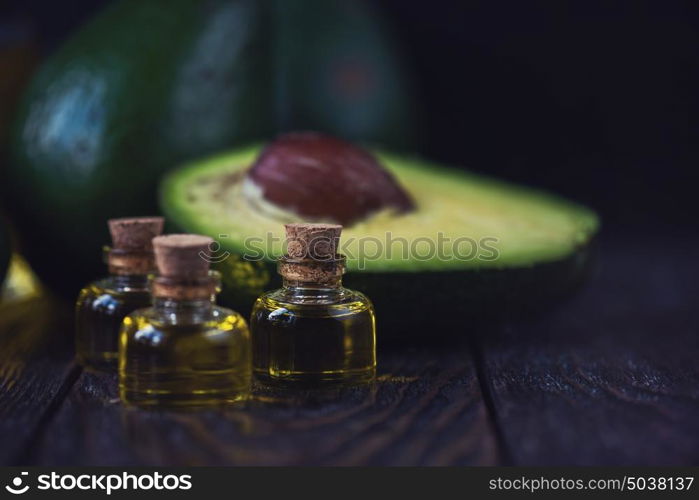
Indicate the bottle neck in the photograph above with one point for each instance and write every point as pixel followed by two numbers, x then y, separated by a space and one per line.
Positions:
pixel 305 292
pixel 184 311
pixel 183 290
pixel 129 282
pixel 329 284
pixel 311 275
pixel 128 263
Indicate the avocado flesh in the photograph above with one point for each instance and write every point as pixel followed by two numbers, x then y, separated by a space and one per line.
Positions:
pixel 542 241
pixel 211 197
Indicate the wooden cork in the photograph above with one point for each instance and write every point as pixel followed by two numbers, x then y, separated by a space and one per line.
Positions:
pixel 183 262
pixel 132 248
pixel 176 289
pixel 135 234
pixel 318 272
pixel 312 241
pixel 183 256
pixel 311 255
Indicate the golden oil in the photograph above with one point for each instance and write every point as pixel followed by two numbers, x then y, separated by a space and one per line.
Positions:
pixel 100 309
pixel 313 331
pixel 313 336
pixel 184 350
pixel 184 353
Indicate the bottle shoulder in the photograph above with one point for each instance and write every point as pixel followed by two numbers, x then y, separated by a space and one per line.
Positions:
pixel 339 296
pixel 111 286
pixel 360 297
pixel 344 303
pixel 143 313
pixel 228 318
pixel 97 297
pixel 93 289
pixel 217 318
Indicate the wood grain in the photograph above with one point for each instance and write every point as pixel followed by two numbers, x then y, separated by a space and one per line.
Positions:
pixel 426 408
pixel 35 371
pixel 612 377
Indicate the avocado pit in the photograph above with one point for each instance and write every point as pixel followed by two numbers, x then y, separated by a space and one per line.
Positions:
pixel 319 177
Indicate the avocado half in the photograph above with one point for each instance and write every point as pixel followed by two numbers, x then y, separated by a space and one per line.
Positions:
pixel 519 250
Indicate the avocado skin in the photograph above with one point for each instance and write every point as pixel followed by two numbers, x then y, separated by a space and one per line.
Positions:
pixel 147 85
pixel 5 250
pixel 434 304
pixel 410 304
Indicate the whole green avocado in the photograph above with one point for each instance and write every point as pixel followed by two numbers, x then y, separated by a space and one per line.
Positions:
pixel 148 84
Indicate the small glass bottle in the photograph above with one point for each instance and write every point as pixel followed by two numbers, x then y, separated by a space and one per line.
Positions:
pixel 102 305
pixel 184 350
pixel 313 331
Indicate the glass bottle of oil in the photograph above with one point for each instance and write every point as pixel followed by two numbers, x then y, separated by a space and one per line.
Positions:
pixel 102 305
pixel 313 331
pixel 184 350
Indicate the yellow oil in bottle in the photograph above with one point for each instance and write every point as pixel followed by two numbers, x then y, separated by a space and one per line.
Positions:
pixel 184 353
pixel 314 336
pixel 100 309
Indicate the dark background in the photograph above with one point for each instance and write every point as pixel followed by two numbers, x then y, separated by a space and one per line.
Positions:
pixel 590 99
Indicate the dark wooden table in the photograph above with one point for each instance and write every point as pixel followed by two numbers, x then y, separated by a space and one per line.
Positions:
pixel 610 377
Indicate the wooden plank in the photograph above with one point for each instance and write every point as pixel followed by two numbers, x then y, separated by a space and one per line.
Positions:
pixel 612 377
pixel 36 371
pixel 426 408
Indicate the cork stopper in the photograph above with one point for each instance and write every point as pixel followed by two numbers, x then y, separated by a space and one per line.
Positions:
pixel 311 255
pixel 183 256
pixel 183 262
pixel 132 248
pixel 135 234
pixel 312 241
pixel 324 273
